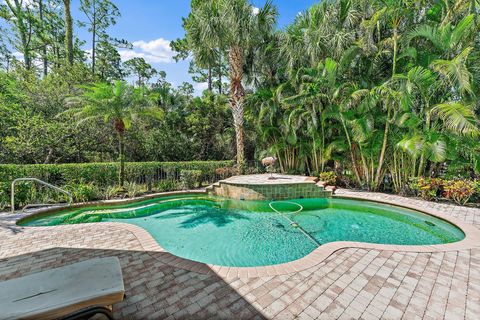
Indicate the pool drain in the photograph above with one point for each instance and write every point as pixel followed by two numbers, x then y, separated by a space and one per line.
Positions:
pixel 291 222
pixel 431 224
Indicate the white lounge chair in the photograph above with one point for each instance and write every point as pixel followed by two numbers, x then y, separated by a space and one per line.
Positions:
pixel 76 291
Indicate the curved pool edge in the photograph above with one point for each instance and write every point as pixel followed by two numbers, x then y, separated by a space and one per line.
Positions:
pixel 319 255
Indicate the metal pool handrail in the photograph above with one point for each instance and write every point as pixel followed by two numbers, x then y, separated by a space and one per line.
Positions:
pixel 293 223
pixel 12 197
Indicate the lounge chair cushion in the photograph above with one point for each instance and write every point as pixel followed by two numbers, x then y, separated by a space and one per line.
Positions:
pixel 61 291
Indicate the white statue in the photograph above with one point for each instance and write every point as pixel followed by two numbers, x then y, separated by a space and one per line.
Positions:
pixel 269 164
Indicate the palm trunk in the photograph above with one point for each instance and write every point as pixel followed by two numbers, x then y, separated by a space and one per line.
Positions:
pixel 237 99
pixel 322 125
pixel 395 50
pixel 421 166
pixel 366 172
pixel 315 156
pixel 352 156
pixel 382 152
pixel 387 124
pixel 68 31
pixel 121 149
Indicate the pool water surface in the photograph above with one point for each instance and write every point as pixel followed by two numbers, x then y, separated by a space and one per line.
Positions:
pixel 249 233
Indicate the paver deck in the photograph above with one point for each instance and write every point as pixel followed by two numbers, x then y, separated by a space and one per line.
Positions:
pixel 352 283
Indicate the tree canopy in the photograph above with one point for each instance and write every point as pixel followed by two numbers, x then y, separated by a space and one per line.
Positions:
pixel 379 91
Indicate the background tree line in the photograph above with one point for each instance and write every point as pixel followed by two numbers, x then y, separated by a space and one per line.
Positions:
pixel 50 76
pixel 382 92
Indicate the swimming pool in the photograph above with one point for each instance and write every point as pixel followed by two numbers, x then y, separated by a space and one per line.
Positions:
pixel 249 233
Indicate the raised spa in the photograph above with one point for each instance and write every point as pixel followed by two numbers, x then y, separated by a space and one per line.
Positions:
pixel 257 233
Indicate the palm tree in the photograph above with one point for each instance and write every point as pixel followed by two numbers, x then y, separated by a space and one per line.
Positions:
pixel 235 26
pixel 241 29
pixel 278 130
pixel 119 104
pixel 318 92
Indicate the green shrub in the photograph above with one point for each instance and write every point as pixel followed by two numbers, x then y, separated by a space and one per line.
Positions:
pixel 48 195
pixel 460 191
pixel 83 192
pixel 110 192
pixel 254 170
pixel 226 172
pixel 106 174
pixel 476 195
pixel 92 181
pixel 133 189
pixel 167 185
pixel 25 193
pixel 4 196
pixel 427 188
pixel 329 177
pixel 190 178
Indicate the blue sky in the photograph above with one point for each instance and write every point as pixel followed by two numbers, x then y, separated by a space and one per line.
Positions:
pixel 151 24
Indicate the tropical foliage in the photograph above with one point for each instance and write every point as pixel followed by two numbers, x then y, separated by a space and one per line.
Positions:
pixel 381 94
pixel 118 103
pixel 219 28
pixel 381 91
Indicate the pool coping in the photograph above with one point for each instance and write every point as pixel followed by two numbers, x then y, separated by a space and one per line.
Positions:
pixel 317 256
pixel 232 181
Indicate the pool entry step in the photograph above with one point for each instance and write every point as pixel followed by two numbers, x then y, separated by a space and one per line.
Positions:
pixel 266 187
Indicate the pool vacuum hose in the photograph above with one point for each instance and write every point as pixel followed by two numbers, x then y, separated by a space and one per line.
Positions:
pixel 291 222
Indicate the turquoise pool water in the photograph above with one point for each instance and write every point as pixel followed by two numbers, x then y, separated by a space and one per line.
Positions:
pixel 248 233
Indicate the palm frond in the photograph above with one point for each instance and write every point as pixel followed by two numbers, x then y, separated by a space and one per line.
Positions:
pixel 458 117
pixel 456 70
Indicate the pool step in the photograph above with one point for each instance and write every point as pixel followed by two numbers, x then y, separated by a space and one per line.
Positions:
pixel 327 188
pixel 331 189
pixel 321 184
pixel 211 188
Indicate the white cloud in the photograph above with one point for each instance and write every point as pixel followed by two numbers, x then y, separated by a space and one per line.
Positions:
pixel 154 51
pixel 88 54
pixel 255 10
pixel 18 55
pixel 199 88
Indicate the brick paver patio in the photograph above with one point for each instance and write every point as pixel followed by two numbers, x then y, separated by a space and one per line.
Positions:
pixel 352 283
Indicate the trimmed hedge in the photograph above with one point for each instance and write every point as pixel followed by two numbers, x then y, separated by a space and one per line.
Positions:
pixel 190 178
pixel 105 174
